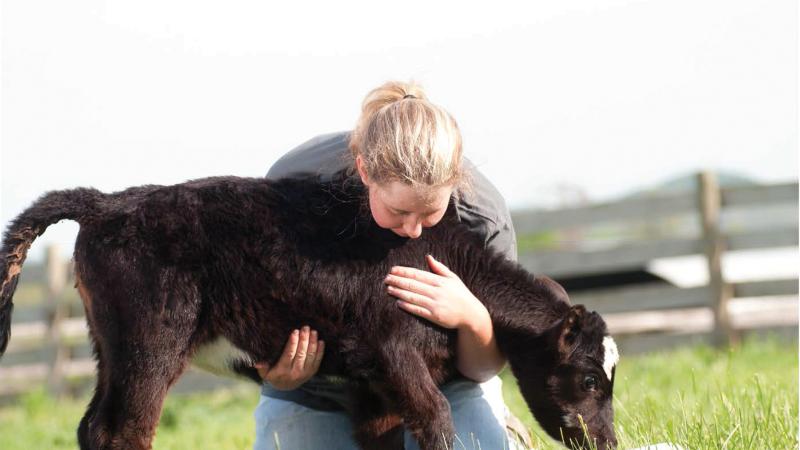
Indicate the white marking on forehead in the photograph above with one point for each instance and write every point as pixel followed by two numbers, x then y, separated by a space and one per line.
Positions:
pixel 611 357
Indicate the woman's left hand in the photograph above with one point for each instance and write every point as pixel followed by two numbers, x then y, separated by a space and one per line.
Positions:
pixel 440 296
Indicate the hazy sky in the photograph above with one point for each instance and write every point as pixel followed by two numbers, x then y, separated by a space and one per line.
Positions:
pixel 606 95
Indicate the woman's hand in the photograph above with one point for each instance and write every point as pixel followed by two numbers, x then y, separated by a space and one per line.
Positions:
pixel 440 297
pixel 299 362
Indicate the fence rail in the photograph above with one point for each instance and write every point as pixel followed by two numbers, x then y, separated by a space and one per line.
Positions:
pixel 571 252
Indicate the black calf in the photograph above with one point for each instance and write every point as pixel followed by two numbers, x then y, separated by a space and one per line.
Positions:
pixel 167 273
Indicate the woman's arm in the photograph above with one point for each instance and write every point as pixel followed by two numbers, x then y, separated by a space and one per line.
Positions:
pixel 478 356
pixel 443 299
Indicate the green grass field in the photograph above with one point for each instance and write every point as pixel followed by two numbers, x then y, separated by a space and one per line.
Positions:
pixel 697 397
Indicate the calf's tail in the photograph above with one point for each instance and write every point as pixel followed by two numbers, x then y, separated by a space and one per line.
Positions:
pixel 74 204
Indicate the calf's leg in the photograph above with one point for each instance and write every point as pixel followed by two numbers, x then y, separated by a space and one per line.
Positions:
pixel 94 438
pixel 421 404
pixel 132 385
pixel 142 340
pixel 376 427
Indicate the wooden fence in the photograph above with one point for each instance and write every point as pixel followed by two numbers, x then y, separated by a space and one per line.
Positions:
pixel 627 235
pixel 49 340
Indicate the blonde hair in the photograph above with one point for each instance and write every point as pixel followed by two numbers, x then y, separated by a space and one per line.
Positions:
pixel 401 136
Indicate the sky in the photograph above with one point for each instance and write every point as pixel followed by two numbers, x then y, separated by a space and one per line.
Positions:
pixel 602 97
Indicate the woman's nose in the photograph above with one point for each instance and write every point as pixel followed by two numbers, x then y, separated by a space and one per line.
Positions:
pixel 413 229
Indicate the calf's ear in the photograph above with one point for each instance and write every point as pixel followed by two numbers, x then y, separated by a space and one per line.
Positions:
pixel 571 328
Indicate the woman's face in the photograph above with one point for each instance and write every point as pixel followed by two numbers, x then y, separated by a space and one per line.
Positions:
pixel 400 208
pixel 403 209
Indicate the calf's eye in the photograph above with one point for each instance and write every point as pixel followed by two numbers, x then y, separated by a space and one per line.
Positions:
pixel 589 383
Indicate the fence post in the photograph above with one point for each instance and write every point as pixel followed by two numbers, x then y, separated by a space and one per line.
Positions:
pixel 710 202
pixel 55 311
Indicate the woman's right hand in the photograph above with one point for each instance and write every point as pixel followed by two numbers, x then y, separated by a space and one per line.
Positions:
pixel 299 362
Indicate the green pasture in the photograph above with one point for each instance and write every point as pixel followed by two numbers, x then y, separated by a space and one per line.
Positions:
pixel 698 397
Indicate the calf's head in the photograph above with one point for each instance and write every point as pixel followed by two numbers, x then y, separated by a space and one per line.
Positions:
pixel 567 378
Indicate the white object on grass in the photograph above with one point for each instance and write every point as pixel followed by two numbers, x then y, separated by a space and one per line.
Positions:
pixel 660 446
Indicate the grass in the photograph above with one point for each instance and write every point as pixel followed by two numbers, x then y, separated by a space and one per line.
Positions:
pixel 702 398
pixel 698 397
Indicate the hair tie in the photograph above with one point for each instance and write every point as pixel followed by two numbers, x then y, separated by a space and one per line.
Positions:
pixel 408 96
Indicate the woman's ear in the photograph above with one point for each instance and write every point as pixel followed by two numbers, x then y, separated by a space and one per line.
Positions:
pixel 362 171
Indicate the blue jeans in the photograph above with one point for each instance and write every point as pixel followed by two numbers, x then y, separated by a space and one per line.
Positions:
pixel 478 414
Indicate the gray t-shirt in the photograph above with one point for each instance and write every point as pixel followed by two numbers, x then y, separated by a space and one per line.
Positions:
pixel 482 208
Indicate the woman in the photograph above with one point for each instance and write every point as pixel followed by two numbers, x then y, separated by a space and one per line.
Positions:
pixel 407 153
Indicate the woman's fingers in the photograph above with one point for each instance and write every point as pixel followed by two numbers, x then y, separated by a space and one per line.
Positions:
pixel 302 349
pixel 313 348
pixel 410 297
pixel 262 368
pixel 409 284
pixel 300 360
pixel 415 309
pixel 438 267
pixel 439 296
pixel 416 274
pixel 290 349
pixel 318 357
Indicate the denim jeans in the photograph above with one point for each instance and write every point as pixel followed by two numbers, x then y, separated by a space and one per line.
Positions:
pixel 478 414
